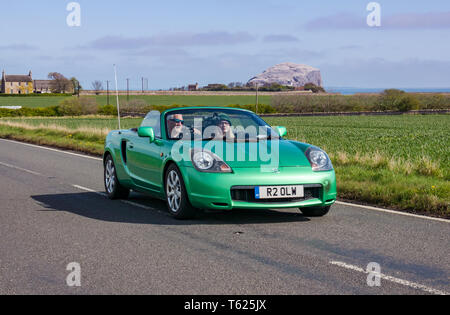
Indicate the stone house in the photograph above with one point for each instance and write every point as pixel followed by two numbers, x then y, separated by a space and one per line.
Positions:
pixel 42 86
pixel 16 84
pixel 215 87
pixel 193 87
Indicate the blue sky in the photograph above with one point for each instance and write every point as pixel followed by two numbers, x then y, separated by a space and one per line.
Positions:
pixel 174 43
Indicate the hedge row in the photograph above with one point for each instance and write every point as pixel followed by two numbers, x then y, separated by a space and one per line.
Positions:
pixel 107 110
pixel 55 111
pixel 390 100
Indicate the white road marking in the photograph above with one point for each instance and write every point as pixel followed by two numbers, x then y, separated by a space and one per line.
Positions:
pixel 135 204
pixel 21 169
pixel 89 190
pixel 83 188
pixel 138 205
pixel 392 212
pixel 391 279
pixel 55 150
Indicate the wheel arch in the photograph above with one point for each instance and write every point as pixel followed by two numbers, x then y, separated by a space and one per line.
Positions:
pixel 106 154
pixel 167 164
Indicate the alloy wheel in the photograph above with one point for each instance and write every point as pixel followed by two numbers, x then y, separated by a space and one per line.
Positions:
pixel 110 177
pixel 173 190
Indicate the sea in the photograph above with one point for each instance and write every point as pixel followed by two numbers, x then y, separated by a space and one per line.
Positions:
pixel 353 90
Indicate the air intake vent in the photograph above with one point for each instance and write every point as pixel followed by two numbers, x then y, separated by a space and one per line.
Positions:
pixel 123 150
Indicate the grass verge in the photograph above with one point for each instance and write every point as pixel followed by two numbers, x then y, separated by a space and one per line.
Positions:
pixel 70 140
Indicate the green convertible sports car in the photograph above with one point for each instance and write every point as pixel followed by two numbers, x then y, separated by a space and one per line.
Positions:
pixel 217 159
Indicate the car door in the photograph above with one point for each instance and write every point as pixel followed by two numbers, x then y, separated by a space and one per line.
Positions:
pixel 144 158
pixel 144 163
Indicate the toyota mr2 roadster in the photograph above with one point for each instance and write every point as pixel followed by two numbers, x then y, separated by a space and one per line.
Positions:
pixel 217 159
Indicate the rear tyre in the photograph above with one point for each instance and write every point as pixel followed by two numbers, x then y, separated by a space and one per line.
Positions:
pixel 114 189
pixel 315 212
pixel 176 195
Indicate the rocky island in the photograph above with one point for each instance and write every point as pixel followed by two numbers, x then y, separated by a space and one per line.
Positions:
pixel 289 74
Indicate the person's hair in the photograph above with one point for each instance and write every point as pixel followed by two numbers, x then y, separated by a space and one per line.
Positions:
pixel 172 116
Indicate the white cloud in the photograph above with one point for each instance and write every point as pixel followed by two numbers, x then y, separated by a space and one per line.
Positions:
pixel 177 39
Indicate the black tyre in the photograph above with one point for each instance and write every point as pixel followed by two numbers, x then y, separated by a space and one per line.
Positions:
pixel 113 188
pixel 176 196
pixel 315 212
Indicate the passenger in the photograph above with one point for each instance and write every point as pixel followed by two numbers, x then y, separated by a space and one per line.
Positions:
pixel 225 126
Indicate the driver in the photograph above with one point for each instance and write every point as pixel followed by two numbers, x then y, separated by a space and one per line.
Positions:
pixel 176 127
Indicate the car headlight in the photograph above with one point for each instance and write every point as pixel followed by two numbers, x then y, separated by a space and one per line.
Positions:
pixel 208 162
pixel 319 159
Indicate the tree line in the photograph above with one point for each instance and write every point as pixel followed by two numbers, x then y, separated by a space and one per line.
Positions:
pixel 239 86
pixel 60 84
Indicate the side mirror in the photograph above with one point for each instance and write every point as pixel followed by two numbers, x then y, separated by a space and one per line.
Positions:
pixel 147 132
pixel 282 131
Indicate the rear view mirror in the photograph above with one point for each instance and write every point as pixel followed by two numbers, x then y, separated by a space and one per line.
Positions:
pixel 282 131
pixel 147 132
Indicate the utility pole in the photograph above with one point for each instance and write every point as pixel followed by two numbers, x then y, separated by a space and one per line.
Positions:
pixel 128 90
pixel 142 85
pixel 107 92
pixel 256 98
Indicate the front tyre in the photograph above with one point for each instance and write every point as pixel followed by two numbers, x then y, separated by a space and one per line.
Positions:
pixel 176 195
pixel 113 188
pixel 315 212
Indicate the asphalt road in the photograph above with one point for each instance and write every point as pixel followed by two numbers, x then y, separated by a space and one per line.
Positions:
pixel 52 213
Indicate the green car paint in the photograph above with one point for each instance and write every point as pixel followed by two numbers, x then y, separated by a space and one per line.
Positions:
pixel 141 159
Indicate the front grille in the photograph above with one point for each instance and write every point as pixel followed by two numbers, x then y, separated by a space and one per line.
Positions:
pixel 247 194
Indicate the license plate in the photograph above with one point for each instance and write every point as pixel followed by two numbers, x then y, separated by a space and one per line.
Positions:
pixel 274 192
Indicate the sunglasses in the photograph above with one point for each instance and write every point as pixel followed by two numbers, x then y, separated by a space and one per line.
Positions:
pixel 177 121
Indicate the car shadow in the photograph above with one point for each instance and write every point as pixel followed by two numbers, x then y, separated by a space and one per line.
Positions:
pixel 97 207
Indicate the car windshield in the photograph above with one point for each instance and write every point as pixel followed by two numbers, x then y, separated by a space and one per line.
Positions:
pixel 153 119
pixel 216 124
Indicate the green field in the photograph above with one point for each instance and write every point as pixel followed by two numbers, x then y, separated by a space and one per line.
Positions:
pixel 190 100
pixel 400 162
pixel 32 102
pixel 408 137
pixel 97 122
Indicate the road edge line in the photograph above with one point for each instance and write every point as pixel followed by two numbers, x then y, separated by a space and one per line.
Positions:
pixel 392 211
pixel 414 285
pixel 52 149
